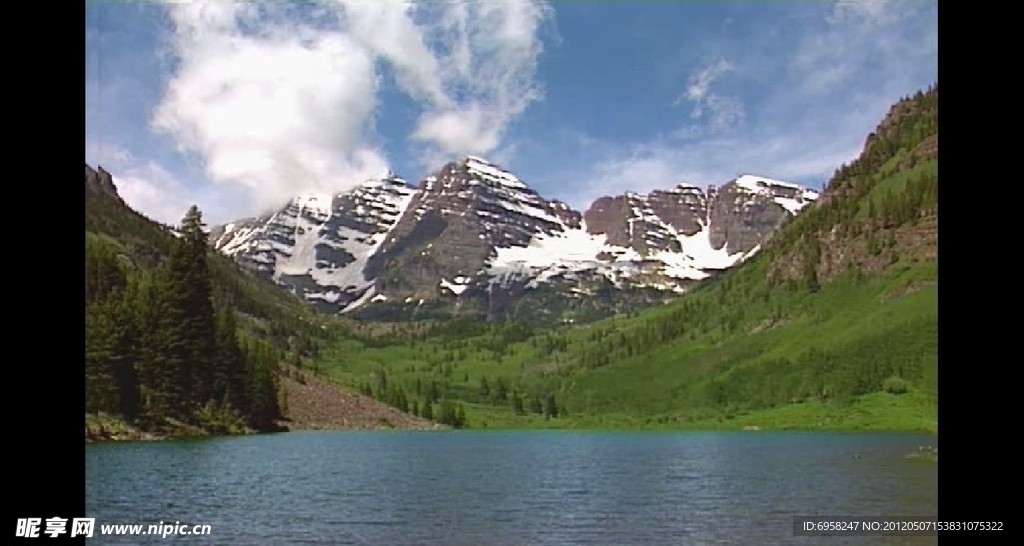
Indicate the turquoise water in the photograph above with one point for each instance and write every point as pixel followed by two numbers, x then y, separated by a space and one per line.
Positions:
pixel 509 488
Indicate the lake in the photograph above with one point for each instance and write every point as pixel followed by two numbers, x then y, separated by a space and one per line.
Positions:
pixel 509 488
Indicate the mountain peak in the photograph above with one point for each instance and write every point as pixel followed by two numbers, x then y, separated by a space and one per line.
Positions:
pixel 754 181
pixel 793 197
pixel 476 159
pixel 490 172
pixel 472 235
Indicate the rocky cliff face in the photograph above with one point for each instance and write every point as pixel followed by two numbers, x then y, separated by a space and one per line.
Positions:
pixel 473 238
pixel 100 181
pixel 746 211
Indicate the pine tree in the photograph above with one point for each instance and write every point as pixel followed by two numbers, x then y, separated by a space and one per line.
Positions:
pixel 127 349
pixel 229 364
pixel 401 402
pixel 187 326
pixel 448 414
pixel 535 405
pixel 168 370
pixel 550 408
pixel 502 391
pixel 433 395
pixel 148 310
pixel 103 272
pixel 100 346
pixel 460 417
pixel 517 403
pixel 261 385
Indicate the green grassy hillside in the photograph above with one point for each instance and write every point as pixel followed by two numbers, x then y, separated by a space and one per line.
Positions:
pixel 832 326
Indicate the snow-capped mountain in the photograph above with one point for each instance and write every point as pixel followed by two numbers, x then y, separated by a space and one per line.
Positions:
pixel 473 238
pixel 318 245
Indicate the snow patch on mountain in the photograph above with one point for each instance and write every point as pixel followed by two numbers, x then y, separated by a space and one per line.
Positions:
pixel 571 246
pixel 698 249
pixel 455 287
pixel 368 295
pixel 801 197
pixel 484 169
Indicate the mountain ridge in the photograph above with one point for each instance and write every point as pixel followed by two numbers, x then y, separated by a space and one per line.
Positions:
pixel 833 325
pixel 475 233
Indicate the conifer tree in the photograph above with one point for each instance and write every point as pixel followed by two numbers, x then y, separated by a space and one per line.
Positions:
pixel 535 405
pixel 517 403
pixel 100 346
pixel 460 417
pixel 229 365
pixel 191 278
pixel 550 407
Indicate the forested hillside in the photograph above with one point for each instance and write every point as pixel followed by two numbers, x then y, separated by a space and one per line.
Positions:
pixel 176 335
pixel 833 325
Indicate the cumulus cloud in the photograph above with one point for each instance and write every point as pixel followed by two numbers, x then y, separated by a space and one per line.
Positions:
pixel 270 104
pixel 280 99
pixel 467 130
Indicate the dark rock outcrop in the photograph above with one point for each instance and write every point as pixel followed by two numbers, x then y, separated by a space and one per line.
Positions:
pixel 100 181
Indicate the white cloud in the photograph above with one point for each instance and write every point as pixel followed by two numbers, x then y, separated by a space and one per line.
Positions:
pixel 386 28
pixel 281 99
pixel 487 54
pixel 722 112
pixel 700 81
pixel 864 40
pixel 801 150
pixel 109 156
pixel 870 10
pixel 278 110
pixel 714 161
pixel 149 188
pixel 152 190
pixel 455 131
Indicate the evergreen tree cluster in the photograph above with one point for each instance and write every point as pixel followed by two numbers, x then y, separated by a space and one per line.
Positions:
pixel 899 144
pixel 159 346
pixel 420 403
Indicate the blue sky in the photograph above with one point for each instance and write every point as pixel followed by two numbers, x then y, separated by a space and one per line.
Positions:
pixel 236 107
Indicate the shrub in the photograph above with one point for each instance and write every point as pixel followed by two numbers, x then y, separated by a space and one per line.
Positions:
pixel 896 385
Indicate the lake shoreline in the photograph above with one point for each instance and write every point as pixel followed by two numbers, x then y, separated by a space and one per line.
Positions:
pixel 110 430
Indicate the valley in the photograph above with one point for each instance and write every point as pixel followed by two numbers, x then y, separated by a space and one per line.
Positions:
pixel 665 311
